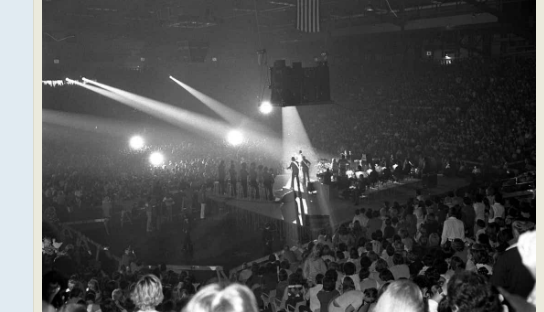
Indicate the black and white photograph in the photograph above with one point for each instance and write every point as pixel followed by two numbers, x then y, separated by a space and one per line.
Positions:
pixel 287 156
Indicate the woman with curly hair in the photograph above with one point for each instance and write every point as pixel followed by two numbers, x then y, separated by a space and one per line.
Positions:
pixel 480 261
pixel 456 265
pixel 147 293
pixel 470 292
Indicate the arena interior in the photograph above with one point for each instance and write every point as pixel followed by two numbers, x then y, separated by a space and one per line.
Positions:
pixel 290 155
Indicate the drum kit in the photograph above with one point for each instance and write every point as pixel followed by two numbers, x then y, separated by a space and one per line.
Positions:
pixel 322 165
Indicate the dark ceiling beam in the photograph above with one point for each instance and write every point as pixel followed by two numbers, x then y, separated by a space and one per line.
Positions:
pixel 397 21
pixel 485 8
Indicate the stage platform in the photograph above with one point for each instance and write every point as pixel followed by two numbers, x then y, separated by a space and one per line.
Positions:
pixel 325 202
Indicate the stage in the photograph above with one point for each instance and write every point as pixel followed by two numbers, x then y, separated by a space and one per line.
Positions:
pixel 325 200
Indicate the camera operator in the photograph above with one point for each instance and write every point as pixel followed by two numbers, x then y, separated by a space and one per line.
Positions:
pixel 128 257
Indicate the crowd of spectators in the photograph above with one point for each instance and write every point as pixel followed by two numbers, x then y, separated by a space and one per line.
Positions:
pixel 477 110
pixel 472 110
pixel 455 253
pixel 81 177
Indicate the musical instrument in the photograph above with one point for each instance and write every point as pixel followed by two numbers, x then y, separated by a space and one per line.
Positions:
pixel 322 165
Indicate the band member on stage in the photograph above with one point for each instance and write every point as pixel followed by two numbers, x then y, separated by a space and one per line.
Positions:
pixel 305 164
pixel 342 166
pixel 373 178
pixel 407 167
pixel 326 176
pixel 202 200
pixel 299 156
pixel 358 182
pixel 232 177
pixel 334 167
pixel 268 182
pixel 294 173
pixel 253 179
pixel 243 178
pixel 397 173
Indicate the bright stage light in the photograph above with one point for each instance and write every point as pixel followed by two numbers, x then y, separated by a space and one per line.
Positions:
pixel 235 137
pixel 265 107
pixel 136 142
pixel 156 159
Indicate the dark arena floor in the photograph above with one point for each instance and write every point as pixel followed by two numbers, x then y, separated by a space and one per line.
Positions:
pixel 225 237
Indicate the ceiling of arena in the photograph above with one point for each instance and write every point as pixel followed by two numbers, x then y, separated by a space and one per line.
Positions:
pixel 110 25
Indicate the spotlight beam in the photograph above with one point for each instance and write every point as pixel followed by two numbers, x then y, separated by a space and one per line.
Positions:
pixel 230 115
pixel 169 113
pixel 178 116
pixel 181 117
pixel 295 137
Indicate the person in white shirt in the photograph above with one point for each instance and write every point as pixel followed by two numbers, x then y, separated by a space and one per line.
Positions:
pixel 311 294
pixel 453 227
pixel 363 220
pixel 490 195
pixel 313 265
pixel 399 269
pixel 351 272
pixel 497 209
pixel 350 300
pixel 245 273
pixel 479 207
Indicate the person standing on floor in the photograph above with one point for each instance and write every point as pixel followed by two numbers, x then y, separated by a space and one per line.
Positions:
pixel 268 182
pixel 243 178
pixel 221 176
pixel 149 213
pixel 253 179
pixel 169 204
pixel 233 179
pixel 202 200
